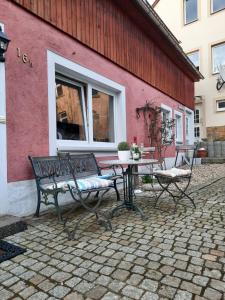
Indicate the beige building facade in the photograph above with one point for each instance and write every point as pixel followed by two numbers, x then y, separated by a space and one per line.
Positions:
pixel 199 25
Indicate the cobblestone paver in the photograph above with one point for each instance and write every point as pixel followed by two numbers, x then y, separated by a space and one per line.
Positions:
pixel 170 256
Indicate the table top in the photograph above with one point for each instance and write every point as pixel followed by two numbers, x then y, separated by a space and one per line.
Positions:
pixel 129 162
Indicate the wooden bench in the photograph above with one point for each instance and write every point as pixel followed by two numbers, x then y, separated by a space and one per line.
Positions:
pixel 77 174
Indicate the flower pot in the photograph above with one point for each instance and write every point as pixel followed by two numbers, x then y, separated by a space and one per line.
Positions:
pixel 202 152
pixel 124 155
pixel 136 156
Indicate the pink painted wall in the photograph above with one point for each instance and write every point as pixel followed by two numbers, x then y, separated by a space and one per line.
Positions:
pixel 26 87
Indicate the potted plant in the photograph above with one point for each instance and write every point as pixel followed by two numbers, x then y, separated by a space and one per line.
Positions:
pixel 136 153
pixel 123 151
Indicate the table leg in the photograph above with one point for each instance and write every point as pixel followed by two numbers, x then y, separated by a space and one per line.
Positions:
pixel 128 195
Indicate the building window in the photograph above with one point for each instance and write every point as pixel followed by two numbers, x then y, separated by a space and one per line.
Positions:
pixel 194 57
pixel 80 100
pixel 217 5
pixel 197 132
pixel 189 128
pixel 220 105
pixel 82 119
pixel 196 116
pixel 178 127
pixel 166 117
pixel 103 117
pixel 190 11
pixel 70 110
pixel 218 57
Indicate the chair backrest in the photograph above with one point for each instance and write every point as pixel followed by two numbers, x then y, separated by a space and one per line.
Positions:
pixel 188 153
pixel 83 165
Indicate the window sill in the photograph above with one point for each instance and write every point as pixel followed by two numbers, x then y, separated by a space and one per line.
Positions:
pixel 220 110
pixel 215 12
pixel 88 148
pixel 189 23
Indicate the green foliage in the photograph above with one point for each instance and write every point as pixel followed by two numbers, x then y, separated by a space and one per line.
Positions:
pixel 123 146
pixel 136 150
pixel 158 132
pixel 147 179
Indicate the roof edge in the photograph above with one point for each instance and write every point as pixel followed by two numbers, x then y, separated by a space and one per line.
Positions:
pixel 155 3
pixel 148 9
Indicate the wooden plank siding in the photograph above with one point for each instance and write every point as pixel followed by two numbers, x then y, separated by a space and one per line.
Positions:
pixel 103 26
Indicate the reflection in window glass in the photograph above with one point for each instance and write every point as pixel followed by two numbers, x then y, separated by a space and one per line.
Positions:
pixel 218 56
pixel 103 117
pixel 70 111
pixel 165 114
pixel 178 128
pixel 194 57
pixel 217 5
pixel 190 11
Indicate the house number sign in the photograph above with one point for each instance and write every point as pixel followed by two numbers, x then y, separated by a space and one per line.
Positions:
pixel 24 57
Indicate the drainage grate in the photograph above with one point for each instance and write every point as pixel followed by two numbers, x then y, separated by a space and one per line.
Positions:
pixel 8 250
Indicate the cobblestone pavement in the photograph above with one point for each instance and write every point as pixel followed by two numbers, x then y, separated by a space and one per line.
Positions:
pixel 170 256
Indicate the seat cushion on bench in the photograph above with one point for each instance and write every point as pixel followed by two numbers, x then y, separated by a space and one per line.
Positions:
pixel 83 184
pixel 106 176
pixel 90 183
pixel 174 172
pixel 52 186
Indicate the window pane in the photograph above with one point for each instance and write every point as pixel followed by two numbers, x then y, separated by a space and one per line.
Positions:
pixel 70 111
pixel 218 56
pixel 196 116
pixel 191 10
pixel 221 104
pixel 194 57
pixel 178 127
pixel 103 117
pixel 197 132
pixel 217 5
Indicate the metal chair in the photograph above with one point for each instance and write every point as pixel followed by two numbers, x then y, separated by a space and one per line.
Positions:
pixel 176 180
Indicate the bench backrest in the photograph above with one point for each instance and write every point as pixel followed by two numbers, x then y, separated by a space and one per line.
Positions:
pixel 83 165
pixel 48 169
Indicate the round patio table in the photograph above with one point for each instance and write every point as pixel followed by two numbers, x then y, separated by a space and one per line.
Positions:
pixel 128 202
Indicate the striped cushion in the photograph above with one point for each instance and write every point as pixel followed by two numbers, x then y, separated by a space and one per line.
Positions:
pixel 105 176
pixel 83 184
pixel 52 186
pixel 90 183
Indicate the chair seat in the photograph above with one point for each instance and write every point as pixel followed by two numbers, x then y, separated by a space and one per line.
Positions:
pixel 172 173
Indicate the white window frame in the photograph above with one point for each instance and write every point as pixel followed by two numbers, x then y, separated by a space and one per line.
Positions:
pixel 213 12
pixel 3 144
pixel 197 109
pixel 179 130
pixel 189 137
pixel 197 137
pixel 168 110
pixel 74 83
pixel 217 106
pixel 185 14
pixel 192 52
pixel 94 80
pixel 214 68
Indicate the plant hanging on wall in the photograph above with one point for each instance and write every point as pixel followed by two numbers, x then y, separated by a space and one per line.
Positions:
pixel 159 132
